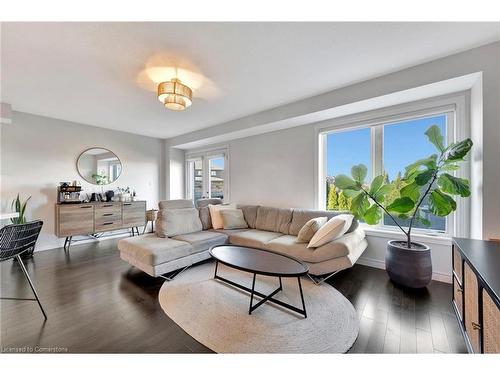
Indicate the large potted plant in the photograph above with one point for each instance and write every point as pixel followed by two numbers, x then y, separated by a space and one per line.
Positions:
pixel 427 180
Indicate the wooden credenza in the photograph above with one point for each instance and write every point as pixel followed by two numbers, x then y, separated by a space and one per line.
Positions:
pixel 476 289
pixel 97 217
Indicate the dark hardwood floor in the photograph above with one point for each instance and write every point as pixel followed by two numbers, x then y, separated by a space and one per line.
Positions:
pixel 97 304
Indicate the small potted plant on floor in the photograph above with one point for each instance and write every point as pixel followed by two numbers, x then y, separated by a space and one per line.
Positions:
pixel 427 180
pixel 20 208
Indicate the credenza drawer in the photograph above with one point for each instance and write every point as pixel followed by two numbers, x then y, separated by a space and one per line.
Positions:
pixel 134 214
pixel 107 217
pixel 105 225
pixel 458 298
pixel 115 208
pixel 471 301
pixel 457 265
pixel 74 219
pixel 491 324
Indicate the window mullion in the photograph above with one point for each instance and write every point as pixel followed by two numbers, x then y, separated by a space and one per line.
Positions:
pixel 377 136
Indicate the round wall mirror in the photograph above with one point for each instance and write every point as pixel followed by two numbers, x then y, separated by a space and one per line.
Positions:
pixel 99 166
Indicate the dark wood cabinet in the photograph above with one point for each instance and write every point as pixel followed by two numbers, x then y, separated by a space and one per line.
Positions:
pixel 475 297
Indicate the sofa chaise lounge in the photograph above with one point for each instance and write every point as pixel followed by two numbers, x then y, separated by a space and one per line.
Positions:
pixel 269 228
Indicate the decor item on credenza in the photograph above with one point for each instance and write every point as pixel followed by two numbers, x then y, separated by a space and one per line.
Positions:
pixel 428 182
pixel 99 166
pixel 96 197
pixel 109 195
pixel 124 194
pixel 69 193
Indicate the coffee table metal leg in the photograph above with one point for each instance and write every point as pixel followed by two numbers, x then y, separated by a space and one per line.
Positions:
pixel 251 295
pixel 302 298
pixel 216 265
pixel 281 285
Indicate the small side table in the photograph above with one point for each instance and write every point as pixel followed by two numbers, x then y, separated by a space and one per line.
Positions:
pixel 150 217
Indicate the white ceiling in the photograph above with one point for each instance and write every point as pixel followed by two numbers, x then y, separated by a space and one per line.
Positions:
pixel 93 73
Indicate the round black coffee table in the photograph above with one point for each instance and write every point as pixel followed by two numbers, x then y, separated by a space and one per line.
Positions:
pixel 260 262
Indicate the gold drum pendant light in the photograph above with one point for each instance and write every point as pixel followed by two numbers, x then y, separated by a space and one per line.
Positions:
pixel 175 95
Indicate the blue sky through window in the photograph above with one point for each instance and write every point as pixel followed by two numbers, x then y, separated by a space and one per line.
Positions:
pixel 217 162
pixel 404 143
pixel 347 148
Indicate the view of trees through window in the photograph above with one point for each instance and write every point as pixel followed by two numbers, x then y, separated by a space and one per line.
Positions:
pixel 403 143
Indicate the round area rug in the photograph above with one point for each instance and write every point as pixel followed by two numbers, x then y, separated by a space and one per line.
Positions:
pixel 216 314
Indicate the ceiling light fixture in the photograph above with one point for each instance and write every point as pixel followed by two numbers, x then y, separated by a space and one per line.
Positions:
pixel 175 95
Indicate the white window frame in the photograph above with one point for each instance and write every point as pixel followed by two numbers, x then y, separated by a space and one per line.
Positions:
pixel 456 108
pixel 205 156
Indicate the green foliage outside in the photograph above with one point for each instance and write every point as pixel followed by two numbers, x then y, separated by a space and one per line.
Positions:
pixel 337 200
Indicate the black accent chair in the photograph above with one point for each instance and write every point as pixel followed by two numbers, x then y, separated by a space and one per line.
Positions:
pixel 15 239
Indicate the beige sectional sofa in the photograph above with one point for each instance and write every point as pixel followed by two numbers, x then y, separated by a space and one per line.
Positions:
pixel 269 228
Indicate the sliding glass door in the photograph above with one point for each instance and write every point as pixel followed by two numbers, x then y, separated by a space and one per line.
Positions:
pixel 206 176
pixel 216 186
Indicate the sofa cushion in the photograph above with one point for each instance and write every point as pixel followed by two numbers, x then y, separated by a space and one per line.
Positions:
pixel 331 250
pixel 273 219
pixel 310 228
pixel 253 238
pixel 176 203
pixel 203 240
pixel 301 216
pixel 229 231
pixel 171 222
pixel 335 228
pixel 233 219
pixel 216 216
pixel 153 250
pixel 250 214
pixel 204 202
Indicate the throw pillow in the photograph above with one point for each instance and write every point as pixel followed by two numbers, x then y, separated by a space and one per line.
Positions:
pixel 215 215
pixel 335 228
pixel 172 222
pixel 206 221
pixel 310 228
pixel 233 219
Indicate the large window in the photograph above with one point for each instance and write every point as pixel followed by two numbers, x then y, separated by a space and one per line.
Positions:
pixel 206 176
pixel 385 146
pixel 344 149
pixel 405 142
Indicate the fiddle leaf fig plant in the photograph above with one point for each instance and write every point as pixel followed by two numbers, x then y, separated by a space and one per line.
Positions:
pixel 427 178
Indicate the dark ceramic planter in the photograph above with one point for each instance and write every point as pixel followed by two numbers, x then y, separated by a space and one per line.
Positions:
pixel 408 267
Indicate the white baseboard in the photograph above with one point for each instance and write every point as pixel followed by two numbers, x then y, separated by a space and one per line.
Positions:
pixel 60 243
pixel 377 263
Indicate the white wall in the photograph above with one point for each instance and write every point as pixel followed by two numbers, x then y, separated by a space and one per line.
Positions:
pixel 176 173
pixel 38 152
pixel 273 169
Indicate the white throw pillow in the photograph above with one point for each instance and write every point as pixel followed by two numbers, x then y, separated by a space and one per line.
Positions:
pixel 310 228
pixel 334 228
pixel 233 219
pixel 217 222
pixel 172 222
